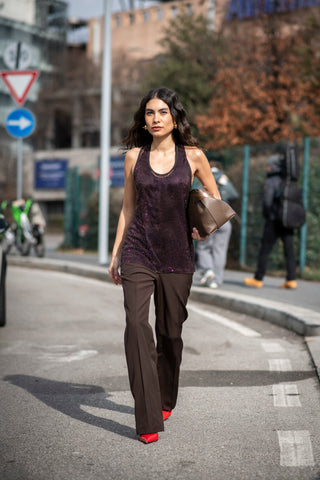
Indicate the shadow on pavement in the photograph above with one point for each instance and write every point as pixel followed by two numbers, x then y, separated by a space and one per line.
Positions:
pixel 70 398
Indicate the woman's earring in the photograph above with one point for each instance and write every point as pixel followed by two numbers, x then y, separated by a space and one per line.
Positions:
pixel 175 125
pixel 145 127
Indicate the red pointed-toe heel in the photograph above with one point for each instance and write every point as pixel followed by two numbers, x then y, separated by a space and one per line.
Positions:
pixel 149 437
pixel 165 414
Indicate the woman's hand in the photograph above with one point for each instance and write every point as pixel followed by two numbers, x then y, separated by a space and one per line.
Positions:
pixel 196 236
pixel 114 271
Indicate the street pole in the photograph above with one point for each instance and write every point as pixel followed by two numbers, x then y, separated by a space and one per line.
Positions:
pixel 244 206
pixel 19 168
pixel 305 188
pixel 103 242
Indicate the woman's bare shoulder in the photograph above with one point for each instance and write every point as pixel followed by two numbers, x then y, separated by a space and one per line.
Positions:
pixel 133 153
pixel 131 157
pixel 195 154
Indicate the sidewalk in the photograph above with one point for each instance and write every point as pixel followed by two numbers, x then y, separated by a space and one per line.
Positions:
pixel 297 310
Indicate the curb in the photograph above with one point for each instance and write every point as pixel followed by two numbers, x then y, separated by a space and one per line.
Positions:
pixel 300 320
pixel 74 268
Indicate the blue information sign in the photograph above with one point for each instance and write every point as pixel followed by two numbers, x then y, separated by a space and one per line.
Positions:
pixel 50 173
pixel 117 171
pixel 20 123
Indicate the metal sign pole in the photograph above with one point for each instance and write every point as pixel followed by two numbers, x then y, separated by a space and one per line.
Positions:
pixel 20 123
pixel 105 138
pixel 19 168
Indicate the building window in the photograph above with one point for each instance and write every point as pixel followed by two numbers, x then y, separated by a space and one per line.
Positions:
pixel 131 18
pixel 189 9
pixel 159 14
pixel 145 14
pixel 174 12
pixel 118 20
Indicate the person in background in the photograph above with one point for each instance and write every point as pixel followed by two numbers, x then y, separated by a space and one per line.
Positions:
pixel 212 253
pixel 274 229
pixel 36 215
pixel 154 249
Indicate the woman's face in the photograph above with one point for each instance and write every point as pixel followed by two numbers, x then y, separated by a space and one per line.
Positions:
pixel 158 118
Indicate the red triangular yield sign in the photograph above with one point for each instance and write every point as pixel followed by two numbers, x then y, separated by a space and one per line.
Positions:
pixel 19 83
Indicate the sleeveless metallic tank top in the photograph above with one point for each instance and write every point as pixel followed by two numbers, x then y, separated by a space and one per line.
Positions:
pixel 159 236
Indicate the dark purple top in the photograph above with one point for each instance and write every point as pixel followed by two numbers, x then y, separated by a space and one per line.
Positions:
pixel 159 236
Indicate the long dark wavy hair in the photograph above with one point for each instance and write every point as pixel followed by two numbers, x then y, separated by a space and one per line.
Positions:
pixel 139 137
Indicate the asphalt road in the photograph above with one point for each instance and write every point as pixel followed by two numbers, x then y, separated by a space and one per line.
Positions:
pixel 248 405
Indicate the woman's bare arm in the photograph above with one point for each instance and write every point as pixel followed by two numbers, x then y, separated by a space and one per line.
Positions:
pixel 126 214
pixel 201 169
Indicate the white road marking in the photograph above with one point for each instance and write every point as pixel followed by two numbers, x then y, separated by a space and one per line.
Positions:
pixel 66 358
pixel 295 448
pixel 272 347
pixel 286 396
pixel 280 365
pixel 248 332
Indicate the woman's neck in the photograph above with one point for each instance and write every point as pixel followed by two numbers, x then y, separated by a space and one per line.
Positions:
pixel 162 144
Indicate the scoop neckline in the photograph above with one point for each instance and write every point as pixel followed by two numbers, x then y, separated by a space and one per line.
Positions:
pixel 163 174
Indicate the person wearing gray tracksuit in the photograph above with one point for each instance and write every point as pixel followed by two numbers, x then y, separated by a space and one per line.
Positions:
pixel 212 253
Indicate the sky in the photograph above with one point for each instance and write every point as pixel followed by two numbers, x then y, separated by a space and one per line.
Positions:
pixel 85 8
pixel 93 8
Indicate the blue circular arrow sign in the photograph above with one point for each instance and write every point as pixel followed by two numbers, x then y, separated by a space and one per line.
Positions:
pixel 20 123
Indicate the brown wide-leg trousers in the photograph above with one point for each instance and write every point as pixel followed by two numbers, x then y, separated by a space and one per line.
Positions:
pixel 153 370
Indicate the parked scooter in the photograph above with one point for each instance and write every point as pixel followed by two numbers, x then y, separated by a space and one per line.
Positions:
pixel 24 233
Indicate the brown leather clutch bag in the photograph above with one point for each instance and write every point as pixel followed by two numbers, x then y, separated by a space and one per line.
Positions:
pixel 207 213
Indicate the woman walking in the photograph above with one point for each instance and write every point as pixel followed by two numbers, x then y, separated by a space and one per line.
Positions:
pixel 154 250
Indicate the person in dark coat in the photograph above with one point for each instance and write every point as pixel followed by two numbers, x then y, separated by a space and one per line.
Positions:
pixel 274 229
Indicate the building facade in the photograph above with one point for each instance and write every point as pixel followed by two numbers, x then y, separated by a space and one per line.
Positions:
pixel 139 32
pixel 38 28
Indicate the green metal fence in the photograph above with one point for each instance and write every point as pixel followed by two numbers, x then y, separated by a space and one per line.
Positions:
pixel 81 210
pixel 79 225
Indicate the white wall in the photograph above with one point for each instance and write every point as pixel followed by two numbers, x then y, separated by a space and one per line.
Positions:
pixel 19 10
